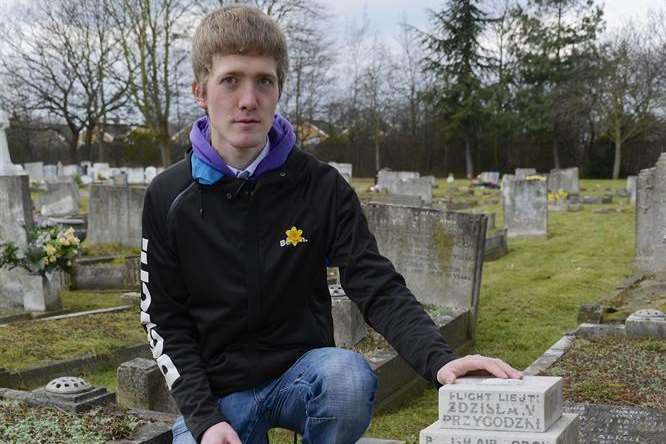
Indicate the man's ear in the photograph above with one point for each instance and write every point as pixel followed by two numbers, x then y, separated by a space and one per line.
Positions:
pixel 197 92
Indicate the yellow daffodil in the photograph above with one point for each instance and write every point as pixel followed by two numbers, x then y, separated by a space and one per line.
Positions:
pixel 294 236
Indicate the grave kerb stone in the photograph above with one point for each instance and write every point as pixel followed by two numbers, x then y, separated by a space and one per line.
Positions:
pixel 348 325
pixel 142 386
pixel 531 404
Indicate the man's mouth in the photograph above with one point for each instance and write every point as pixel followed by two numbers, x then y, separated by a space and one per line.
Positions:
pixel 246 121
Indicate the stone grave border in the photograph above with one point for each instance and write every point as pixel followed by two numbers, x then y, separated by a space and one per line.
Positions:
pixel 398 382
pixel 86 270
pixel 42 374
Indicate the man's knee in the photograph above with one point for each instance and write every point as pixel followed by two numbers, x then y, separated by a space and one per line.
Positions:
pixel 347 380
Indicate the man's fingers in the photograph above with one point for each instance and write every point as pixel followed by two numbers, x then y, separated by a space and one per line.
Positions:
pixel 495 368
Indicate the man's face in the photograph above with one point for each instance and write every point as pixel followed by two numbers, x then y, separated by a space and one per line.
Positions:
pixel 242 95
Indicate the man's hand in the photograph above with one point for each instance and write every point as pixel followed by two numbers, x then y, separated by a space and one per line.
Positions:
pixel 220 433
pixel 476 364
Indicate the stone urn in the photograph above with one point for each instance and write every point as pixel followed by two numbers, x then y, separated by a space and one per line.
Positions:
pixel 42 292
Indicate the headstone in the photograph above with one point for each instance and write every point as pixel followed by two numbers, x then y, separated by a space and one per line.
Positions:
pixel 564 431
pixel 564 180
pixel 431 179
pixel 15 221
pixel 490 178
pixel 35 170
pixel 7 168
pixel 61 197
pixel 650 214
pixel 387 177
pixel 631 188
pixel 120 179
pixel 413 187
pixel 142 386
pixel 450 179
pixel 136 176
pixel 345 169
pixel 496 245
pixel 71 170
pixel 50 172
pixel 115 215
pixel 525 207
pixel 100 171
pixel 506 411
pixel 524 173
pixel 150 173
pixel 59 169
pixel 440 254
pixel 648 323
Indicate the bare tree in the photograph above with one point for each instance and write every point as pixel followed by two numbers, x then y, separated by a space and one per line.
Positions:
pixel 632 80
pixel 64 60
pixel 150 32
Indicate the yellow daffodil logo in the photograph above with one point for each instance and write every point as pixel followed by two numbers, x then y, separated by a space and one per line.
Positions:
pixel 294 237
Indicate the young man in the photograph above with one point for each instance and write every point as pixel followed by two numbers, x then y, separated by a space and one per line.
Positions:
pixel 236 239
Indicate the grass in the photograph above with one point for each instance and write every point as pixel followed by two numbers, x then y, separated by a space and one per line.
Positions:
pixel 108 250
pixel 29 343
pixel 633 371
pixel 74 301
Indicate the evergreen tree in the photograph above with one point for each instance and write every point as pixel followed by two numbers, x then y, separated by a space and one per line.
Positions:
pixel 553 40
pixel 457 60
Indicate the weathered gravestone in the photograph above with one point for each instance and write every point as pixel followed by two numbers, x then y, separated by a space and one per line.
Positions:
pixel 35 170
pixel 386 177
pixel 61 197
pixel 150 173
pixel 440 254
pixel 15 220
pixel 6 165
pixel 502 411
pixel 345 169
pixel 50 171
pixel 650 217
pixel 348 324
pixel 646 323
pixel 564 180
pixel 413 187
pixel 631 189
pixel 115 215
pixel 100 171
pixel 71 170
pixel 490 177
pixel 525 207
pixel 142 386
pixel 524 173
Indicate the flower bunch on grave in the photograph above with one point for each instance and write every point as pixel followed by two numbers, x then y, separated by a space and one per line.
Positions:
pixel 49 249
pixel 557 196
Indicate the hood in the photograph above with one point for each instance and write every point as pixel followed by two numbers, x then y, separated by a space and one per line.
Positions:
pixel 207 165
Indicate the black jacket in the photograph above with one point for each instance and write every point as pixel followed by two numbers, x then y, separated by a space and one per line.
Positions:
pixel 231 301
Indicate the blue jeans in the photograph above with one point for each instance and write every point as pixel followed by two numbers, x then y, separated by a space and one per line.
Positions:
pixel 326 396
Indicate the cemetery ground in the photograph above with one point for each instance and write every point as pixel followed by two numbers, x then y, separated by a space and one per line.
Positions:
pixel 529 298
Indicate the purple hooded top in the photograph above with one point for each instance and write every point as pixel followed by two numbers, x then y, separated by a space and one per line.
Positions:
pixel 208 166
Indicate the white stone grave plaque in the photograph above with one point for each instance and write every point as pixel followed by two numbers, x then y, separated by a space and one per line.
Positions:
pixel 564 431
pixel 531 404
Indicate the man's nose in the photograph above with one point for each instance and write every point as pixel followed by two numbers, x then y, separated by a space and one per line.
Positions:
pixel 248 96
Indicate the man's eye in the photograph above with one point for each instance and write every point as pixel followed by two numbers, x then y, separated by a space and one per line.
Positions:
pixel 229 81
pixel 267 81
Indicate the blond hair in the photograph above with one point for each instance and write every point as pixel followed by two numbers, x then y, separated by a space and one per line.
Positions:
pixel 237 30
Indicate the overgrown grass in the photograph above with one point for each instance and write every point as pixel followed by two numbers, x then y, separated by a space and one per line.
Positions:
pixel 633 371
pixel 20 424
pixel 28 343
pixel 83 300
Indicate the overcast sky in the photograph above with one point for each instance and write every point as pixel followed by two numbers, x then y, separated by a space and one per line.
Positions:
pixel 385 14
